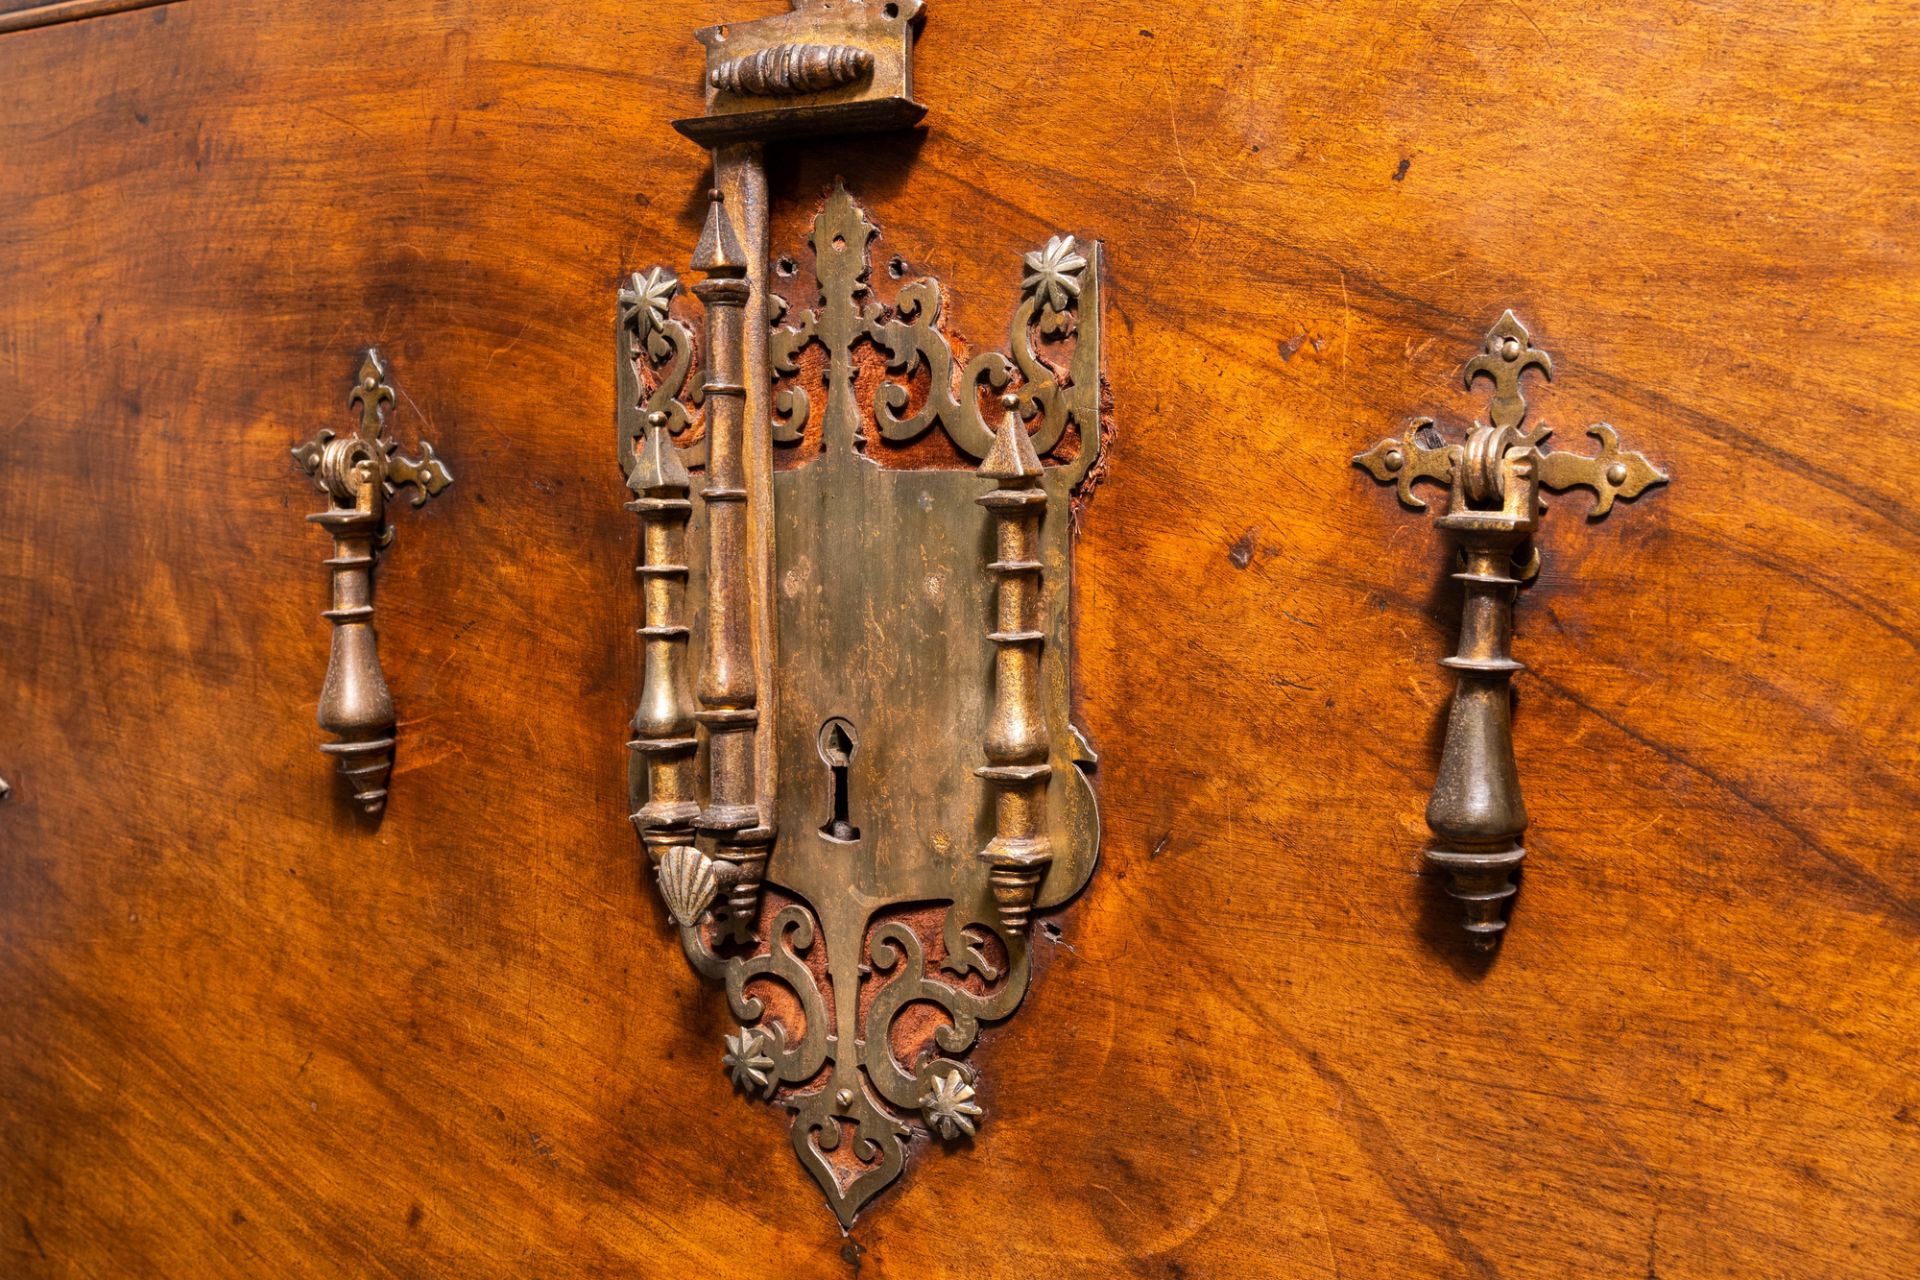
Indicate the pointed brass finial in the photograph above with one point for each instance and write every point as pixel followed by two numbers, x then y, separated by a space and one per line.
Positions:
pixel 1012 456
pixel 719 252
pixel 1505 354
pixel 658 469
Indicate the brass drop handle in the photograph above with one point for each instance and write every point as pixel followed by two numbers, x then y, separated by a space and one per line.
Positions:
pixel 1476 813
pixel 1496 476
pixel 358 473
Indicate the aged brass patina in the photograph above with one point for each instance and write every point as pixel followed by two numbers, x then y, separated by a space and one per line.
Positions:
pixel 359 473
pixel 891 643
pixel 1496 477
pixel 829 67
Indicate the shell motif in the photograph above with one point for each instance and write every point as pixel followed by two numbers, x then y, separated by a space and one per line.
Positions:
pixel 788 70
pixel 688 884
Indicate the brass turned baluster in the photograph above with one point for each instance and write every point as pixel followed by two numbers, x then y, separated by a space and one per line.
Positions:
pixel 1016 742
pixel 358 473
pixel 663 723
pixel 1476 812
pixel 728 687
pixel 665 748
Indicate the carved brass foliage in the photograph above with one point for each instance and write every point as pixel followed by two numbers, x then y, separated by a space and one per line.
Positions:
pixel 1495 474
pixel 909 334
pixel 932 786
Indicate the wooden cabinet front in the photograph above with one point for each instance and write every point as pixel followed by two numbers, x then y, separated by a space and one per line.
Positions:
pixel 248 1032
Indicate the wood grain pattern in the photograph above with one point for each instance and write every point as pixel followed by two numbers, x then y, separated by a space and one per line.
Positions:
pixel 245 1034
pixel 20 15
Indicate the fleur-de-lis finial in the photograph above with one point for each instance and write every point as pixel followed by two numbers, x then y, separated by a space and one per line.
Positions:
pixel 1422 453
pixel 370 392
pixel 1506 354
pixel 342 467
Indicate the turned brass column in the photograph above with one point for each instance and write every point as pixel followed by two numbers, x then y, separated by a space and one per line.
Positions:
pixel 728 687
pixel 1016 741
pixel 663 733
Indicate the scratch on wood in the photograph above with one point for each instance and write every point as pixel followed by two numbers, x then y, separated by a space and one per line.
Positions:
pixel 1173 128
pixel 32 1239
pixel 500 351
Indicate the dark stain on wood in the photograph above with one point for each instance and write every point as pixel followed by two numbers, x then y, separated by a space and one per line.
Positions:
pixel 1241 552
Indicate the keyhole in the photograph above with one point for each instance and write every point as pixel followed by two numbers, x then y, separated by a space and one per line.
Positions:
pixel 836 749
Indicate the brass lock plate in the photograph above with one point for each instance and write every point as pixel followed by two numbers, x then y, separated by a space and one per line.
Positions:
pixel 932 789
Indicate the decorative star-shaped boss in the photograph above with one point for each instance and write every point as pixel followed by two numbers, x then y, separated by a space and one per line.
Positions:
pixel 949 1106
pixel 1053 276
pixel 748 1061
pixel 653 292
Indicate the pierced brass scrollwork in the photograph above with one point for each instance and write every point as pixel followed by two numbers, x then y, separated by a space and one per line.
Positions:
pixel 359 473
pixel 853 764
pixel 1496 476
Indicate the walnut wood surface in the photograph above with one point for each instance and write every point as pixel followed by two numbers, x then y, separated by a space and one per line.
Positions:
pixel 19 15
pixel 246 1034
